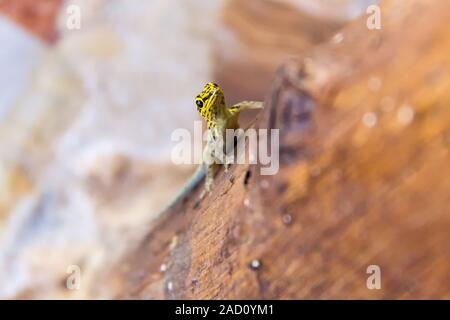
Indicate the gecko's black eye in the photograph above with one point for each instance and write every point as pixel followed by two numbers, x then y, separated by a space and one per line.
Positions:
pixel 199 103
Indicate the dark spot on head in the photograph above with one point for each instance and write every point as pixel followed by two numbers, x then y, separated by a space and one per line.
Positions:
pixel 287 219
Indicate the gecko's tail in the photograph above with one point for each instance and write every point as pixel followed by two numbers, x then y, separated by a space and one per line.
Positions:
pixel 195 179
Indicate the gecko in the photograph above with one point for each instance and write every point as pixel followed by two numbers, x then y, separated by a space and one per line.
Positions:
pixel 211 106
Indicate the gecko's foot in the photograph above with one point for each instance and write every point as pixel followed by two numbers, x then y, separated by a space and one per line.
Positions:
pixel 203 194
pixel 228 173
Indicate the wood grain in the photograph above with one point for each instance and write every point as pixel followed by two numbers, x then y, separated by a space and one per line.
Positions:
pixel 364 152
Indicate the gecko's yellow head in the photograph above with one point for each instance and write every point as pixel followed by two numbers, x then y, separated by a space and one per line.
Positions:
pixel 209 101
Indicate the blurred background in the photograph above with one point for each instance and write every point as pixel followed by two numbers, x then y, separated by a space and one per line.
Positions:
pixel 86 116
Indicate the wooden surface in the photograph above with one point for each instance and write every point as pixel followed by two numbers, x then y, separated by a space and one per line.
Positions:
pixel 364 180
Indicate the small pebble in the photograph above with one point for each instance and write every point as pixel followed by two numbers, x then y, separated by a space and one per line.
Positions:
pixel 338 38
pixel 255 264
pixel 247 202
pixel 405 114
pixel 170 285
pixel 163 267
pixel 287 219
pixel 370 119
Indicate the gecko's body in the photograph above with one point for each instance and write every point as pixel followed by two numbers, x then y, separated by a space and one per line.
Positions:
pixel 211 106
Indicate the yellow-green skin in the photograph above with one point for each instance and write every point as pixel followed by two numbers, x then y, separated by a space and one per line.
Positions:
pixel 211 106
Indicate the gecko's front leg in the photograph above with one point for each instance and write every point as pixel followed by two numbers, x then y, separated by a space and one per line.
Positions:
pixel 209 180
pixel 211 166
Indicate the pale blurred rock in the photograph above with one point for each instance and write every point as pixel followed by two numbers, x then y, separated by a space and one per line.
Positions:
pixel 85 157
pixel 19 55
